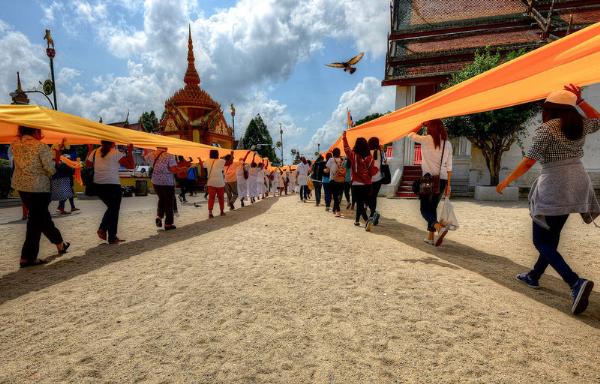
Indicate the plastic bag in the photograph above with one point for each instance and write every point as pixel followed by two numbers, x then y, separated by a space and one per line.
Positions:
pixel 447 217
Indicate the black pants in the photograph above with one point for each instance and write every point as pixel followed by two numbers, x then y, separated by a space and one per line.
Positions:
pixel 166 202
pixel 317 186
pixel 304 192
pixel 39 222
pixel 429 206
pixel 375 187
pixel 183 188
pixel 337 189
pixel 546 242
pixel 110 194
pixel 360 194
pixel 347 187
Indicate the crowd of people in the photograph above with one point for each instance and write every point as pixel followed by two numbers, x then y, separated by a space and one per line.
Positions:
pixel 355 174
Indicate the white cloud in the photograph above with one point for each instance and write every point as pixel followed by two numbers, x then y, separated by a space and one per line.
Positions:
pixel 66 74
pixel 366 98
pixel 50 11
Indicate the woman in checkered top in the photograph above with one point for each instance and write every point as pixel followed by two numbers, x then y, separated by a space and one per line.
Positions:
pixel 563 186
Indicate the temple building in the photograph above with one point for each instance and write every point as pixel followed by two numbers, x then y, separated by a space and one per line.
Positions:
pixel 191 114
pixel 431 39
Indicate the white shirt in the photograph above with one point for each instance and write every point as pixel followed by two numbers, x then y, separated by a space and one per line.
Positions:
pixel 332 164
pixel 302 174
pixel 106 169
pixel 432 156
pixel 378 176
pixel 214 169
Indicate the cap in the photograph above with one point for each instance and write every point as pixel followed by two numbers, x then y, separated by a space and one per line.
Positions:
pixel 562 97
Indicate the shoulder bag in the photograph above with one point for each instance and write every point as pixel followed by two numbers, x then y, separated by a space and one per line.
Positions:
pixel 87 175
pixel 385 170
pixel 429 185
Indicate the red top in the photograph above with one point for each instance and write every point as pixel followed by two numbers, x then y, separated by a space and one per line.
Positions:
pixel 362 168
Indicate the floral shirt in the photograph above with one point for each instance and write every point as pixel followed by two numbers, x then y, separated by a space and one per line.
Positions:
pixel 161 174
pixel 34 165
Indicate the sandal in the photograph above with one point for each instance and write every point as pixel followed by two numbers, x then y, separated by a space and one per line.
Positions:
pixel 33 263
pixel 66 246
pixel 102 234
pixel 116 241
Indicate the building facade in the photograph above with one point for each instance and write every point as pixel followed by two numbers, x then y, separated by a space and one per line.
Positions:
pixel 431 39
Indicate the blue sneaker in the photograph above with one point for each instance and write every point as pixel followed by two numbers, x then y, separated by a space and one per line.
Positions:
pixel 527 280
pixel 376 218
pixel 580 292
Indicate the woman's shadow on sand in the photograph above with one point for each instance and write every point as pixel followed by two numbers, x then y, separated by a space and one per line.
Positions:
pixel 554 292
pixel 23 281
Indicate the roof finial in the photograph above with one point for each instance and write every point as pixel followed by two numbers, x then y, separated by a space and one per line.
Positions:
pixel 19 82
pixel 191 77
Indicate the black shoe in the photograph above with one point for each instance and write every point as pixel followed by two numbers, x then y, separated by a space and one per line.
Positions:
pixel 170 227
pixel 66 246
pixel 158 222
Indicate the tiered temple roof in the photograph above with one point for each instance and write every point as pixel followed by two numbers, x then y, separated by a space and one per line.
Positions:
pixel 431 39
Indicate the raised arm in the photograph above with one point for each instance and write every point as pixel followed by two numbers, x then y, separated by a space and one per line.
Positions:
pixel 128 161
pixel 590 112
pixel 347 149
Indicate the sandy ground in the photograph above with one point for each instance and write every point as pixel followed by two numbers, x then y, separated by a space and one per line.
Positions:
pixel 282 292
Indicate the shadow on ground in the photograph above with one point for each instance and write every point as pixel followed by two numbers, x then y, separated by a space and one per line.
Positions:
pixel 23 281
pixel 554 292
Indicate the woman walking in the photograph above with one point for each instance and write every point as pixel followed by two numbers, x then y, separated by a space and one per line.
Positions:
pixel 562 188
pixel 34 165
pixel 106 161
pixel 183 166
pixel 163 168
pixel 337 176
pixel 302 178
pixel 316 176
pixel 242 174
pixel 437 162
pixel 377 154
pixel 363 169
pixel 326 180
pixel 216 182
pixel 62 184
pixel 252 186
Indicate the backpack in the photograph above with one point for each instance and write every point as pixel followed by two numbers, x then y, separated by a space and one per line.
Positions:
pixel 340 173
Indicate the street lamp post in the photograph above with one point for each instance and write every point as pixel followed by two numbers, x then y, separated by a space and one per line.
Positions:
pixel 281 141
pixel 50 52
pixel 319 148
pixel 232 110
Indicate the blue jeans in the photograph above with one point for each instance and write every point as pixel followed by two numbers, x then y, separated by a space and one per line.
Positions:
pixel 546 242
pixel 327 190
pixel 429 206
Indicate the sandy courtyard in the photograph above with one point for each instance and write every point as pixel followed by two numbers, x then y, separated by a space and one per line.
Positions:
pixel 281 292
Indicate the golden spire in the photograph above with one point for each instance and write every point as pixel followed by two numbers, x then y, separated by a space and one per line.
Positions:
pixel 191 77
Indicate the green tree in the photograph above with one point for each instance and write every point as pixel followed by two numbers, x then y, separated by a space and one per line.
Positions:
pixel 493 132
pixel 149 122
pixel 295 156
pixel 257 133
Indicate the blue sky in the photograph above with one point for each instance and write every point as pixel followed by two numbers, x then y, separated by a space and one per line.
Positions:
pixel 265 56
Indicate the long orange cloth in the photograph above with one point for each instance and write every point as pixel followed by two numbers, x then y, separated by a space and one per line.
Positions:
pixel 57 126
pixel 572 59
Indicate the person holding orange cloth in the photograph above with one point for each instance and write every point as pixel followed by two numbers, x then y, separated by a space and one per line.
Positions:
pixel 216 182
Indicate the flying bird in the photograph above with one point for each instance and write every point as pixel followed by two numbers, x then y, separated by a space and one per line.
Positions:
pixel 348 66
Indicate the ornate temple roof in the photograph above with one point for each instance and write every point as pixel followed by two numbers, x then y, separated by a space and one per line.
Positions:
pixel 431 39
pixel 191 94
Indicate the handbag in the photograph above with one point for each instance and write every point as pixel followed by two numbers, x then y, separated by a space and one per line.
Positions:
pixel 429 185
pixel 87 176
pixel 385 171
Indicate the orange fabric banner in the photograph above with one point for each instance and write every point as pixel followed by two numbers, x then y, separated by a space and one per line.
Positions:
pixel 572 59
pixel 57 126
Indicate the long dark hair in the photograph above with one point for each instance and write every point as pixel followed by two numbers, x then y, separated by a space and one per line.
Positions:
pixel 336 152
pixel 105 147
pixel 374 146
pixel 214 154
pixel 361 147
pixel 437 130
pixel 571 122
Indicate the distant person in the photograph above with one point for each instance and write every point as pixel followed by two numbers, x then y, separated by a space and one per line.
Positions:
pixel 231 182
pixel 563 187
pixel 183 167
pixel 34 166
pixel 62 184
pixel 260 181
pixel 437 162
pixel 302 178
pixel 164 167
pixel 106 161
pixel 326 181
pixel 363 169
pixel 216 182
pixel 192 177
pixel 252 186
pixel 242 174
pixel 337 174
pixel 316 175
